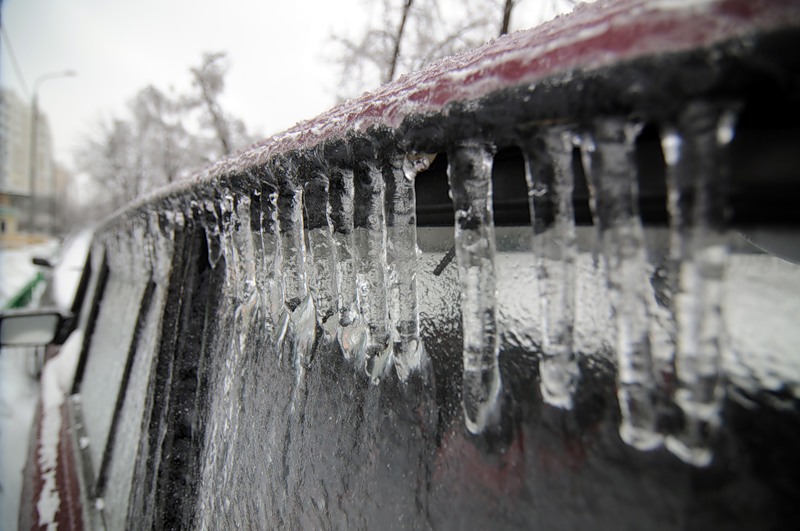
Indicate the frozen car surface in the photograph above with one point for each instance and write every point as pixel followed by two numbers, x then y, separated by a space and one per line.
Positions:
pixel 516 289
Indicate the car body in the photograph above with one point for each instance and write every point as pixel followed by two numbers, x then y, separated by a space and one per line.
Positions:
pixel 509 291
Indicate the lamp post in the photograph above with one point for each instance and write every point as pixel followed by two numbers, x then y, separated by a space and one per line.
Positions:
pixel 35 139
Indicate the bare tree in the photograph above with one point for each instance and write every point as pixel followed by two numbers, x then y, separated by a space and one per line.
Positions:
pixel 163 142
pixel 164 137
pixel 398 38
pixel 508 7
pixel 209 81
pixel 406 35
pixel 110 161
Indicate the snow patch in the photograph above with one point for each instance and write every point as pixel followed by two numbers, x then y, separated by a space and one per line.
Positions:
pixel 56 380
pixel 19 391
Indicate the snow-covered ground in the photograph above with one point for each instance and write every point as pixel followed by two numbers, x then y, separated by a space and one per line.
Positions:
pixel 19 388
pixel 19 392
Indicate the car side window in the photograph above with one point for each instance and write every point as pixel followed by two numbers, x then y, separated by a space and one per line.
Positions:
pixel 108 354
pixel 115 476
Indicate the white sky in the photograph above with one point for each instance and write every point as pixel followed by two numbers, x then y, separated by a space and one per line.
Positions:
pixel 282 69
pixel 277 49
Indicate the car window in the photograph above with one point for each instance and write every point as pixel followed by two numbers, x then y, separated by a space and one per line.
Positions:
pixel 107 357
pixel 116 475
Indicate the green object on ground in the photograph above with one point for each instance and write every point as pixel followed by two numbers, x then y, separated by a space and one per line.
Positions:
pixel 25 295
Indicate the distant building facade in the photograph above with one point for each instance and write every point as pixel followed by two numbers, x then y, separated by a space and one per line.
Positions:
pixel 15 159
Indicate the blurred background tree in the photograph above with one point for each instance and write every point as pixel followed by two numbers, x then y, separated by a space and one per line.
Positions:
pixel 406 35
pixel 163 138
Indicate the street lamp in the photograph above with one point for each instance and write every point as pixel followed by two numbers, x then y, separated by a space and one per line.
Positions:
pixel 35 137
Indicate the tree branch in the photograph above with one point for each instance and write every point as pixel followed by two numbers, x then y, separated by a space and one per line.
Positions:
pixel 397 40
pixel 507 8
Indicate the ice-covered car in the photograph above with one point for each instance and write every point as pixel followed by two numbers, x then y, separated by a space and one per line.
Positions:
pixel 516 289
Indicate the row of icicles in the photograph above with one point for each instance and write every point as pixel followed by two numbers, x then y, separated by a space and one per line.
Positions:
pixel 691 335
pixel 337 252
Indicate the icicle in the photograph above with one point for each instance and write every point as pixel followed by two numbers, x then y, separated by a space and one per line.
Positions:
pixel 585 142
pixel 263 247
pixel 369 222
pixel 242 257
pixel 233 310
pixel 132 259
pixel 351 333
pixel 162 234
pixel 615 184
pixel 271 281
pixel 550 184
pixel 137 256
pixel 116 249
pixel 292 240
pixel 293 256
pixel 304 324
pixel 469 175
pixel 699 253
pixel 139 250
pixel 295 334
pixel 120 261
pixel 321 248
pixel 282 334
pixel 142 250
pixel 256 217
pixel 154 243
pixel 401 247
pixel 227 223
pixel 242 243
pixel 212 230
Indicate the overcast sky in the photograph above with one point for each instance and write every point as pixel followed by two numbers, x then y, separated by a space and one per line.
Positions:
pixel 282 69
pixel 279 52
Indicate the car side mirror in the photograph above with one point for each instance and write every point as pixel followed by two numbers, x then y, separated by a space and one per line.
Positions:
pixel 43 262
pixel 37 327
